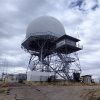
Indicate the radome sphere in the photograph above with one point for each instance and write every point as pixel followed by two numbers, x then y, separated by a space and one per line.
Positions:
pixel 45 25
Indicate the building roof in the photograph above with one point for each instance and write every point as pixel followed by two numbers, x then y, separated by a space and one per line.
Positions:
pixel 68 37
pixel 86 76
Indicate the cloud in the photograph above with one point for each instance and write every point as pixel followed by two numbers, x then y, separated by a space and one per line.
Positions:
pixel 84 5
pixel 78 17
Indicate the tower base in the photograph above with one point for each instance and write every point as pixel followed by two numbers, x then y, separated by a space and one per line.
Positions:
pixel 38 76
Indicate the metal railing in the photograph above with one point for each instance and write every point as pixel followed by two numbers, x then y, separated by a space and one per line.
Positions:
pixel 79 46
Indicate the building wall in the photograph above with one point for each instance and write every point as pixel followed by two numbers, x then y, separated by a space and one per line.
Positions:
pixel 10 78
pixel 38 76
pixel 87 79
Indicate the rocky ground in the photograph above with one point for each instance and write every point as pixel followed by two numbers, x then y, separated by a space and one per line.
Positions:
pixel 49 92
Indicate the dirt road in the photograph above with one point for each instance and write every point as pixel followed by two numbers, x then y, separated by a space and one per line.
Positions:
pixel 24 92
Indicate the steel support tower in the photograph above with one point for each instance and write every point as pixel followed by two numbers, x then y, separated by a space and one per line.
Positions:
pixel 51 54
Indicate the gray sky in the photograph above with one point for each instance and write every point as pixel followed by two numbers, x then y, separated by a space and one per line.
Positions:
pixel 77 16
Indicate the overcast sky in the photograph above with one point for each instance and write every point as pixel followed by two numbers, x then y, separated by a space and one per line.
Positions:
pixel 78 17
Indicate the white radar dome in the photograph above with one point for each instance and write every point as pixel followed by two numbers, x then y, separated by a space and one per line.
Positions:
pixel 45 25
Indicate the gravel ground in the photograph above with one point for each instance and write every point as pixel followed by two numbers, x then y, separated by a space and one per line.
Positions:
pixel 24 92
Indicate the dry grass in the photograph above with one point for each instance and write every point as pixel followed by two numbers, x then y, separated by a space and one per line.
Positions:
pixel 93 95
pixel 4 90
pixel 57 83
pixel 52 91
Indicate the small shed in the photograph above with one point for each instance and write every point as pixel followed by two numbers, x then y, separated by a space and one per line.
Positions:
pixel 10 77
pixel 38 76
pixel 21 77
pixel 87 78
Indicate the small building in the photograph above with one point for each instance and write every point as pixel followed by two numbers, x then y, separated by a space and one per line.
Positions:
pixel 87 78
pixel 10 78
pixel 38 76
pixel 21 77
pixel 14 77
